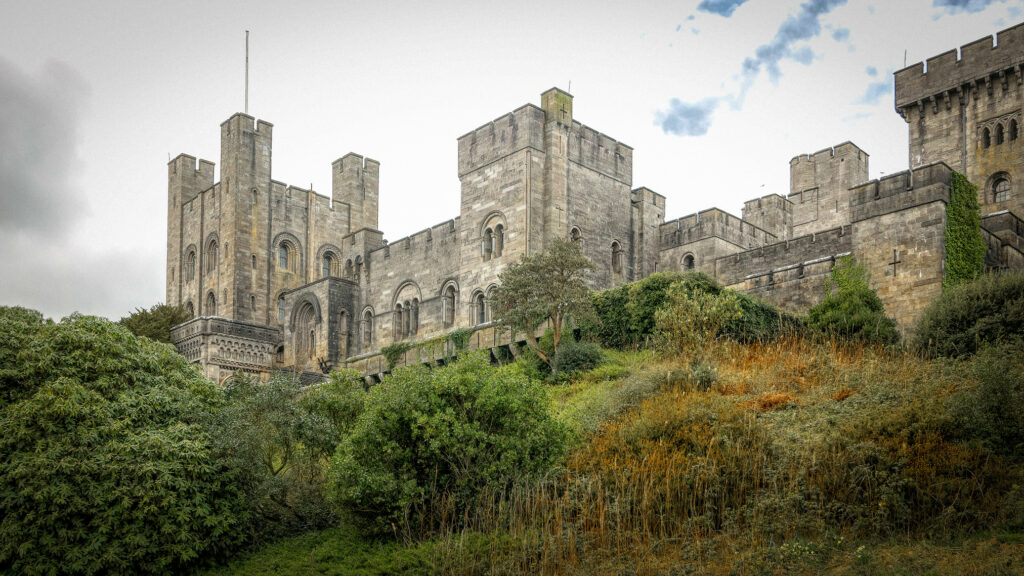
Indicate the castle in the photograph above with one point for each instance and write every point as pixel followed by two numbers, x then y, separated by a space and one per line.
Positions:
pixel 278 276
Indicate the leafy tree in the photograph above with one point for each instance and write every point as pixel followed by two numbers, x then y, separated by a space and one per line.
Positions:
pixel 430 441
pixel 106 459
pixel 155 323
pixel 547 286
pixel 280 438
pixel 19 328
pixel 851 309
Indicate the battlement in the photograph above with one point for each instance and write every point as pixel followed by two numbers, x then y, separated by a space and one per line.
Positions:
pixel 245 123
pixel 600 152
pixel 784 255
pixel 713 223
pixel 768 201
pixel 426 239
pixel 894 192
pixel 521 128
pixel 647 196
pixel 834 168
pixel 355 181
pixel 356 164
pixel 979 60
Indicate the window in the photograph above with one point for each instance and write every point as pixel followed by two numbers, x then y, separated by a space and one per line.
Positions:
pixel 359 268
pixel 253 261
pixel 252 302
pixel 1013 130
pixel 211 256
pixel 688 262
pixel 399 322
pixel 282 256
pixel 190 266
pixel 329 265
pixel 448 306
pixel 414 317
pixel 367 329
pixel 280 309
pixel 1001 190
pixel 190 309
pixel 575 235
pixel 487 244
pixel 986 138
pixel 499 239
pixel 480 306
pixel 999 134
pixel 348 269
pixel 211 304
pixel 616 258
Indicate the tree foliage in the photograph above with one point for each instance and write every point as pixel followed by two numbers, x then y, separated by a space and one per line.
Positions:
pixel 851 309
pixel 106 459
pixel 547 286
pixel 280 439
pixel 155 323
pixel 965 247
pixel 968 316
pixel 428 439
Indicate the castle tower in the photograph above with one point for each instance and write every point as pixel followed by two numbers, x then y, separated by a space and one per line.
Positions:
pixel 185 181
pixel 355 181
pixel 557 106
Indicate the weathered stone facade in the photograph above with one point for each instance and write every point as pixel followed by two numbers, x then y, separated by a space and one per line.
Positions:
pixel 282 277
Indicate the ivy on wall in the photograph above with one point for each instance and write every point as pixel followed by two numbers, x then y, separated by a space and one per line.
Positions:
pixel 965 247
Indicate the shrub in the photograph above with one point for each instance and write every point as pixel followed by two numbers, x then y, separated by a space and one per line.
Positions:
pixel 576 357
pixel 693 318
pixel 990 412
pixel 851 309
pixel 429 441
pixel 280 440
pixel 964 317
pixel 19 328
pixel 106 458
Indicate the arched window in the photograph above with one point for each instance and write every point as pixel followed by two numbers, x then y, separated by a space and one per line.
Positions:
pixel 499 239
pixel 487 244
pixel 688 262
pixel 986 138
pixel 398 322
pixel 211 256
pixel 480 307
pixel 190 266
pixel 448 306
pixel 280 308
pixel 211 304
pixel 616 258
pixel 1013 130
pixel 367 329
pixel 1001 190
pixel 253 261
pixel 282 255
pixel 190 309
pixel 348 269
pixel 999 134
pixel 329 265
pixel 575 235
pixel 306 321
pixel 252 302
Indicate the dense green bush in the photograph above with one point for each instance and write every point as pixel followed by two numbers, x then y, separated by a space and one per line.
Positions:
pixel 966 316
pixel 991 411
pixel 573 357
pixel 106 458
pixel 155 323
pixel 693 318
pixel 626 315
pixel 429 441
pixel 280 439
pixel 851 309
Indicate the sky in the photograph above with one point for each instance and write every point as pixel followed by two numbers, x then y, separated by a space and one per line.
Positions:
pixel 714 96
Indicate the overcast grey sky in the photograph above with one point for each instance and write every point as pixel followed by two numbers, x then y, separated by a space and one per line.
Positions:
pixel 715 96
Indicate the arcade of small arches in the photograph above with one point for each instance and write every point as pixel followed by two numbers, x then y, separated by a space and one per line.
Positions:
pixel 997 134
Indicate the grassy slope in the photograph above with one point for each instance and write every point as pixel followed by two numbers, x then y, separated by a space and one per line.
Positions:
pixel 769 472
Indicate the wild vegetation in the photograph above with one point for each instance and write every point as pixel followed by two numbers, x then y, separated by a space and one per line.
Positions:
pixel 721 436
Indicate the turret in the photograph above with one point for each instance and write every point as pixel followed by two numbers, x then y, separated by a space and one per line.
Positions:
pixel 355 181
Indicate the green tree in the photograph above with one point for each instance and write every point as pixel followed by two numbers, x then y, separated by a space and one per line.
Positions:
pixel 547 286
pixel 430 441
pixel 155 323
pixel 107 464
pixel 851 309
pixel 280 438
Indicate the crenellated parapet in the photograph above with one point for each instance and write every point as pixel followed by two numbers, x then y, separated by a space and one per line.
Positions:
pixel 517 130
pixel 945 78
pixel 901 191
pixel 713 223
